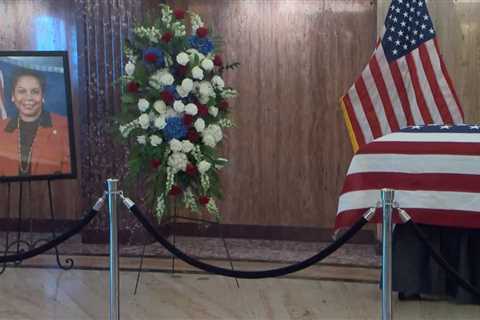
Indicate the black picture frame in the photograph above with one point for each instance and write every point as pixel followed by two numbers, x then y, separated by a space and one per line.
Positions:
pixel 53 66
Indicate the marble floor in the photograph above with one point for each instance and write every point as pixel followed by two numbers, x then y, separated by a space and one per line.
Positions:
pixel 343 286
pixel 44 293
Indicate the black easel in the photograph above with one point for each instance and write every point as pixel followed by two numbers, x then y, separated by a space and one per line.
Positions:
pixel 172 230
pixel 29 245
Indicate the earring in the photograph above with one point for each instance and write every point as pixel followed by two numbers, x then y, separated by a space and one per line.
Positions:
pixel 43 101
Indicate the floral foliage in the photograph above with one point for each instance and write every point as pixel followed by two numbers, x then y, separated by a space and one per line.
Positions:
pixel 175 110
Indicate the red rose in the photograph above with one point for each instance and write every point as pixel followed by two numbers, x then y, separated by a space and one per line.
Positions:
pixel 133 86
pixel 179 14
pixel 193 136
pixel 223 105
pixel 202 32
pixel 167 36
pixel 181 71
pixel 167 96
pixel 175 191
pixel 203 200
pixel 187 120
pixel 202 110
pixel 191 170
pixel 155 163
pixel 151 57
pixel 217 60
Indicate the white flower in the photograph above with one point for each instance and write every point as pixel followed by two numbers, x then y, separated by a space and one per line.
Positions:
pixel 160 123
pixel 191 109
pixel 187 146
pixel 197 73
pixel 176 145
pixel 183 58
pixel 155 140
pixel 218 82
pixel 204 166
pixel 213 111
pixel 153 38
pixel 182 92
pixel 160 106
pixel 205 88
pixel 199 125
pixel 129 68
pixel 178 106
pixel 142 139
pixel 207 64
pixel 229 93
pixel 178 161
pixel 144 121
pixel 166 78
pixel 203 99
pixel 155 81
pixel 127 128
pixel 143 104
pixel 166 14
pixel 209 140
pixel 196 22
pixel 212 135
pixel 216 131
pixel 179 29
pixel 123 130
pixel 187 84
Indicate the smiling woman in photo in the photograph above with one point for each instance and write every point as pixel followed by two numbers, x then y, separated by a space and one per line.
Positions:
pixel 34 141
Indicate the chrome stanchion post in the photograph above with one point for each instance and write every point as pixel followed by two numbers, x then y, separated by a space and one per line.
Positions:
pixel 387 204
pixel 112 187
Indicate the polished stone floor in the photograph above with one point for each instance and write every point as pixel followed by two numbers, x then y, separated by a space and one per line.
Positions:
pixel 344 286
pixel 52 294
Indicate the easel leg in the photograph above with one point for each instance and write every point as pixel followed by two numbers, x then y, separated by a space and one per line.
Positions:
pixel 228 252
pixel 7 232
pixel 69 262
pixel 19 220
pixel 173 231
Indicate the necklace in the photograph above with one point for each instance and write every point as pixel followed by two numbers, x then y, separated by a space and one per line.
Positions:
pixel 24 160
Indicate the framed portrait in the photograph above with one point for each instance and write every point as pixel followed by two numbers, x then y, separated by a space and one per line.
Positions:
pixel 36 124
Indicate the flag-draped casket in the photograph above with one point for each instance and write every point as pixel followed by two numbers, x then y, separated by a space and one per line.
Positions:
pixel 434 170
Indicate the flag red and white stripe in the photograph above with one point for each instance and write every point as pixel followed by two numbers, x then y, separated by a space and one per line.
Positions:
pixel 434 171
pixel 401 88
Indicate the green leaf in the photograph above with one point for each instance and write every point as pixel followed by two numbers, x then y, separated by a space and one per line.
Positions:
pixel 129 99
pixel 209 152
pixel 140 74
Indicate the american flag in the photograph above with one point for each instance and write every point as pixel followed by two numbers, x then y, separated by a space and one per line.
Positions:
pixel 434 170
pixel 405 82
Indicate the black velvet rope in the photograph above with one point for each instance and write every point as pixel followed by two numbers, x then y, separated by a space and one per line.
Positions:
pixel 248 274
pixel 442 262
pixel 51 244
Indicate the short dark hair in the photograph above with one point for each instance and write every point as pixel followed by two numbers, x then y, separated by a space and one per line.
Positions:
pixel 28 73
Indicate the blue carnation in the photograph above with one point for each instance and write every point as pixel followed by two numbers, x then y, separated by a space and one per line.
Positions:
pixel 154 52
pixel 204 45
pixel 173 90
pixel 175 129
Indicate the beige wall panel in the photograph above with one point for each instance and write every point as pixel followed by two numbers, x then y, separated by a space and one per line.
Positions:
pixel 457 23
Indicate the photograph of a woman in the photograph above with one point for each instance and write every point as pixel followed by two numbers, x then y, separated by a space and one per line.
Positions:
pixel 34 140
